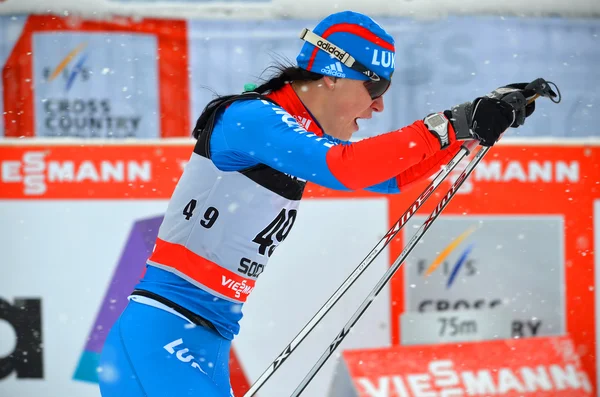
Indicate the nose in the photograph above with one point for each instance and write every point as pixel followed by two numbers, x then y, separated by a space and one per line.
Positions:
pixel 377 104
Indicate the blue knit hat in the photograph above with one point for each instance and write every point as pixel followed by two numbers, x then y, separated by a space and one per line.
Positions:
pixel 353 34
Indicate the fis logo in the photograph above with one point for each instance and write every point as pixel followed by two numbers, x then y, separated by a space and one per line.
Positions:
pixel 383 58
pixel 335 69
pixel 77 58
pixel 461 262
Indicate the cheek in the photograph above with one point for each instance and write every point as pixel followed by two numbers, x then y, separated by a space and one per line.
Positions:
pixel 352 106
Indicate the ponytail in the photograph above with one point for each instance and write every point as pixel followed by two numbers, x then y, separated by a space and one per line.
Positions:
pixel 284 75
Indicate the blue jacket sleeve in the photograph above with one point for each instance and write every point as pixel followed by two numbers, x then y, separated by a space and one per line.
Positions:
pixel 239 141
pixel 258 132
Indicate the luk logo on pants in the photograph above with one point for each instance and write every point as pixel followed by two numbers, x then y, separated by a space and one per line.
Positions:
pixel 182 354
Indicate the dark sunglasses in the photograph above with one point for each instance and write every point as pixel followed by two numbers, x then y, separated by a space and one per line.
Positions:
pixel 376 89
pixel 376 85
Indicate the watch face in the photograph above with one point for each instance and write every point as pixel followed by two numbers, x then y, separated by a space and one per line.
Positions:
pixel 436 120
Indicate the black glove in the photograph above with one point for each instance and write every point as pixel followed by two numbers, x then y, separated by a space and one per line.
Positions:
pixel 485 119
pixel 522 112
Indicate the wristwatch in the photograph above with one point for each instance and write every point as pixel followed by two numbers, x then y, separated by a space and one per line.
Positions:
pixel 437 123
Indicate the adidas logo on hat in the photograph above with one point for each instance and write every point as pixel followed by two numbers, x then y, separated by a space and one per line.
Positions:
pixel 335 69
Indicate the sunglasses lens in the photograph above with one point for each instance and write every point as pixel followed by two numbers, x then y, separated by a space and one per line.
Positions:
pixel 377 88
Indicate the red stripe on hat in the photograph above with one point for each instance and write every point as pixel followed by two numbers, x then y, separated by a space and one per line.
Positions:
pixel 356 30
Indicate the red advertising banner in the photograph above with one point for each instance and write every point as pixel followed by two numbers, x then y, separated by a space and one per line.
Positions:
pixel 113 171
pixel 540 367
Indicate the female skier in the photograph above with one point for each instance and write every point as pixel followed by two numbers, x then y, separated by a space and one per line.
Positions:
pixel 238 198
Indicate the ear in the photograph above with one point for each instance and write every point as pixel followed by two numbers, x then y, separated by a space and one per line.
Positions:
pixel 329 82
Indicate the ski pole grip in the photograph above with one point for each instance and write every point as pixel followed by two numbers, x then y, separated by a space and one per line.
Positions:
pixel 543 88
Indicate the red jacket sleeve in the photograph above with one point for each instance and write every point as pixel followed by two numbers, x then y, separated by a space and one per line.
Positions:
pixel 427 167
pixel 409 154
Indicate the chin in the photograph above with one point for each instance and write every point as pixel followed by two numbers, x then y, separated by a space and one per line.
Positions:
pixel 347 135
pixel 353 128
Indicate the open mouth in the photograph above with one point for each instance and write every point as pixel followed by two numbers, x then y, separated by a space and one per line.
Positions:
pixel 360 118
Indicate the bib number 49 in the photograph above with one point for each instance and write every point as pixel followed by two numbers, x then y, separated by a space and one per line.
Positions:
pixel 279 228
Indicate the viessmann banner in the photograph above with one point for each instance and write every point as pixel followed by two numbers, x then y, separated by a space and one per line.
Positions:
pixel 513 252
pixel 540 367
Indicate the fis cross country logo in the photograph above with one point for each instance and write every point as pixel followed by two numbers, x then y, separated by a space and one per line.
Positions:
pixel 70 67
pixel 446 252
pixel 442 304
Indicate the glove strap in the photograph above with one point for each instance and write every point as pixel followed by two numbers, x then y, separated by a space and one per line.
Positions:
pixel 461 118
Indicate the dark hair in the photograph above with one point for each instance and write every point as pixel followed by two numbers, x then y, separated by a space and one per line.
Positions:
pixel 283 75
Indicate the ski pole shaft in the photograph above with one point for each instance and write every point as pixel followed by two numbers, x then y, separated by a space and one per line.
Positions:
pixel 464 151
pixel 392 270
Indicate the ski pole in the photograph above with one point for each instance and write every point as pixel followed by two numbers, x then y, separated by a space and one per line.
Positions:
pixel 464 151
pixel 390 272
